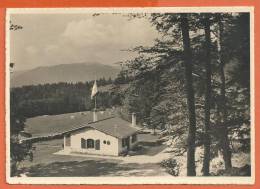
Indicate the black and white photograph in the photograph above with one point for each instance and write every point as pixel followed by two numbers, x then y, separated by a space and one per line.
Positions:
pixel 130 96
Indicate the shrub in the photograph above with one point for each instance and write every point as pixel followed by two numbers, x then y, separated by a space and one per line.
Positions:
pixel 171 166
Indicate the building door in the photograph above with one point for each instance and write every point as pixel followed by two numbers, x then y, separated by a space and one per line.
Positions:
pixel 97 144
pixel 128 143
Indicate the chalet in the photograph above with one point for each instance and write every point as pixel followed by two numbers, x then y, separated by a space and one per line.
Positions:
pixel 111 136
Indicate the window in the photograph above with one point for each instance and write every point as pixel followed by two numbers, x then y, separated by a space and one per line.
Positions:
pixel 134 138
pixel 108 142
pixel 90 143
pixel 104 141
pixel 83 143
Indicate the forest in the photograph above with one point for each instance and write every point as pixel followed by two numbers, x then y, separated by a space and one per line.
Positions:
pixel 60 98
pixel 193 84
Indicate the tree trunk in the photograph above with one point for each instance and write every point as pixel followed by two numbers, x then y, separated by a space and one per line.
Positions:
pixel 191 170
pixel 224 141
pixel 206 160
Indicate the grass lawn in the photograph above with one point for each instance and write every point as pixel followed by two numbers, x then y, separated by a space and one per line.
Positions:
pixel 47 164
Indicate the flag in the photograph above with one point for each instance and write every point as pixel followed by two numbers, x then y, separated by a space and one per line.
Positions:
pixel 94 90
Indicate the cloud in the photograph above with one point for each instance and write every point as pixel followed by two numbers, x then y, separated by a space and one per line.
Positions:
pixel 103 38
pixel 86 32
pixel 122 34
pixel 78 38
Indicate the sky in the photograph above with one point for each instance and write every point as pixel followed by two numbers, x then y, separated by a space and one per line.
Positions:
pixel 52 39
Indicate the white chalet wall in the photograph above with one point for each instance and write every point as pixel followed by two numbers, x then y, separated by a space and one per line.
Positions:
pixel 114 149
pixel 90 133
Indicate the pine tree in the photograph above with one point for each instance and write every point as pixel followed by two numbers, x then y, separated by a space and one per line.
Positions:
pixel 224 131
pixel 190 95
pixel 206 160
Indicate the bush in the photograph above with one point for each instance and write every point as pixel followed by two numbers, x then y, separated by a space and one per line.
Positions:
pixel 171 166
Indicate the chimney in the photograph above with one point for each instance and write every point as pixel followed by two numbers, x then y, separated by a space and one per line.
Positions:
pixel 133 119
pixel 95 115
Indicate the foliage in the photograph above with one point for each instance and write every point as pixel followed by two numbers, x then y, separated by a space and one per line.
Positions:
pixel 171 166
pixel 62 98
pixel 18 151
pixel 157 90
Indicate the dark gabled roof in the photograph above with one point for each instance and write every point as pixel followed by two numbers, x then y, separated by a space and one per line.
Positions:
pixel 113 126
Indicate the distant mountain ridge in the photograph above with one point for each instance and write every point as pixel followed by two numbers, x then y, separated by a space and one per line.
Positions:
pixel 71 73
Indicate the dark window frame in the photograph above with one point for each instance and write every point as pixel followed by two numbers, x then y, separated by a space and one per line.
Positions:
pixel 90 143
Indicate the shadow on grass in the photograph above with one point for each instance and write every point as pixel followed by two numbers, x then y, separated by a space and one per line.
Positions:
pixel 88 168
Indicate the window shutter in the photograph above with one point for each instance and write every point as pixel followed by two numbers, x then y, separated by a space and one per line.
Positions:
pixel 83 143
pixel 97 145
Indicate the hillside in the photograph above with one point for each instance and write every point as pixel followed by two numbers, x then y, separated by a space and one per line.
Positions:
pixel 70 73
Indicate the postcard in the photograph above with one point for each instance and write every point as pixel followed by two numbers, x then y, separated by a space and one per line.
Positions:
pixel 152 95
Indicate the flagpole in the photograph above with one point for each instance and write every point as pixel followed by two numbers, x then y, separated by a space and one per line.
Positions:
pixel 95 102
